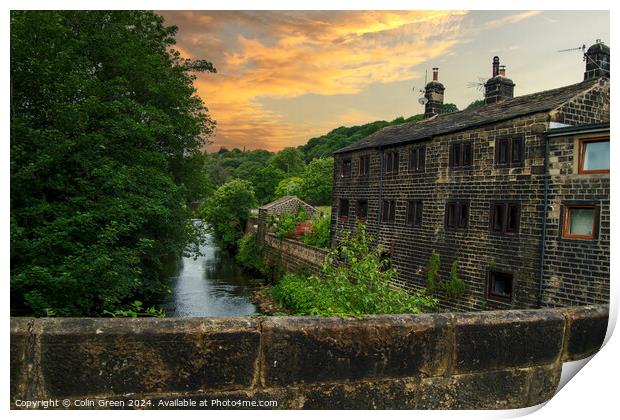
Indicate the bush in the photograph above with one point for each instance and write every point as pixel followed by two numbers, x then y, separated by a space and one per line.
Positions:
pixel 432 272
pixel 286 223
pixel 319 236
pixel 250 255
pixel 227 211
pixel 455 287
pixel 361 287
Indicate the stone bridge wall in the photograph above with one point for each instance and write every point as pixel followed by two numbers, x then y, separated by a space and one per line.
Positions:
pixel 505 359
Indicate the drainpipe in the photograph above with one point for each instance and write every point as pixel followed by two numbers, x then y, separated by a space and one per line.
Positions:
pixel 377 236
pixel 544 224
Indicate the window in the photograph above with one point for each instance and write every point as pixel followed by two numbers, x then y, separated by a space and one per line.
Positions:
pixel 364 167
pixel 499 286
pixel 362 210
pixel 391 162
pixel 505 217
pixel 416 159
pixel 388 211
pixel 457 214
pixel 461 155
pixel 343 209
pixel 594 156
pixel 580 221
pixel 509 150
pixel 414 213
pixel 345 170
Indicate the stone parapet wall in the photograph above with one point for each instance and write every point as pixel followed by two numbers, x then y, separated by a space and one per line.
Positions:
pixel 507 359
pixel 295 256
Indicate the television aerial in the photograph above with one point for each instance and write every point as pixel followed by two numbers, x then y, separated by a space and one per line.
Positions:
pixel 421 100
pixel 479 85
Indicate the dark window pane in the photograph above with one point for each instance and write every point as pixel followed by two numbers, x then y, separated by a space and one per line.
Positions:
pixel 512 222
pixel 343 210
pixel 392 211
pixel 517 150
pixel 466 154
pixel 395 163
pixel 451 215
pixel 456 155
pixel 498 217
pixel 418 213
pixel 410 213
pixel 463 214
pixel 596 156
pixel 500 285
pixel 421 158
pixel 362 209
pixel 413 158
pixel 502 156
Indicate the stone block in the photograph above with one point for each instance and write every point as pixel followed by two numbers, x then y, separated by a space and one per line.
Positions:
pixel 85 356
pixel 313 349
pixel 500 339
pixel 585 331
pixel 21 357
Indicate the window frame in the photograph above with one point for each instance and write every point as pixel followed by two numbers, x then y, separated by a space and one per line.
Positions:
pixel 391 162
pixel 458 219
pixel 506 205
pixel 342 217
pixel 457 149
pixel 490 295
pixel 417 159
pixel 510 141
pixel 357 210
pixel 344 172
pixel 583 142
pixel 412 209
pixel 566 207
pixel 389 216
pixel 364 165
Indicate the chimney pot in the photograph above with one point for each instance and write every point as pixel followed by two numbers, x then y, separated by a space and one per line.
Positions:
pixel 435 74
pixel 498 87
pixel 495 66
pixel 502 71
pixel 433 93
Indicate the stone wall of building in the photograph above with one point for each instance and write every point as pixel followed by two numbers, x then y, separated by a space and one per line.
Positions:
pixel 590 108
pixel 476 248
pixel 576 270
pixel 488 360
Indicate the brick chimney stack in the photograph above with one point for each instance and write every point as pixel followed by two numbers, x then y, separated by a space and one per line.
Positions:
pixel 597 61
pixel 498 87
pixel 434 96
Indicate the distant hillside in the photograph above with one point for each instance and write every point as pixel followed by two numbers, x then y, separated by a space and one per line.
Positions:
pixel 340 137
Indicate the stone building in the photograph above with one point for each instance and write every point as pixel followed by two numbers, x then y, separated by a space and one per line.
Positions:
pixel 516 191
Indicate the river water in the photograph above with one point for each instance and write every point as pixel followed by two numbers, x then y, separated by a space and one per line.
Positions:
pixel 211 285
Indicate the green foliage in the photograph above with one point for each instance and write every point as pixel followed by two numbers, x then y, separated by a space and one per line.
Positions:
pixel 265 181
pixel 455 287
pixel 286 223
pixel 449 108
pixel 250 254
pixel 316 187
pixel 475 104
pixel 433 280
pixel 134 310
pixel 227 211
pixel 320 232
pixel 106 131
pixel 361 287
pixel 289 186
pixel 289 160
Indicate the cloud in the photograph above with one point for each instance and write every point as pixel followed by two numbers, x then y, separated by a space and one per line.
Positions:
pixel 290 54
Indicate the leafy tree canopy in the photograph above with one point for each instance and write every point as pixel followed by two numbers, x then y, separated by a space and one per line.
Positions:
pixel 106 130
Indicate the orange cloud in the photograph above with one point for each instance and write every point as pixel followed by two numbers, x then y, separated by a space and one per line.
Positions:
pixel 289 54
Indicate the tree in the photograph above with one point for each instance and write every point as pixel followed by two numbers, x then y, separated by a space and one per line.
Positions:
pixel 475 104
pixel 316 187
pixel 289 160
pixel 105 134
pixel 265 180
pixel 449 108
pixel 227 211
pixel 289 186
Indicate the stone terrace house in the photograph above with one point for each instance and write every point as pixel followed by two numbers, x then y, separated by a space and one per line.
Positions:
pixel 516 190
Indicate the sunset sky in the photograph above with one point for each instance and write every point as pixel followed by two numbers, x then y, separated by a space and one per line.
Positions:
pixel 284 77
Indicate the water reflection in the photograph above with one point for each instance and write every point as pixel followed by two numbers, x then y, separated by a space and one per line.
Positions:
pixel 211 285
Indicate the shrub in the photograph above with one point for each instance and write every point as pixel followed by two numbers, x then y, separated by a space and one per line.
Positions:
pixel 250 255
pixel 319 236
pixel 286 223
pixel 455 287
pixel 432 272
pixel 361 287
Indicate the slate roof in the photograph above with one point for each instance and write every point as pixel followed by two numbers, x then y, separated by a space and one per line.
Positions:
pixel 469 118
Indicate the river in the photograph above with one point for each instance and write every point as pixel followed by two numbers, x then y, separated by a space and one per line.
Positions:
pixel 211 285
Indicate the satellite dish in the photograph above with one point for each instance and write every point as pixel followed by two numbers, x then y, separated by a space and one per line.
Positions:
pixel 422 101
